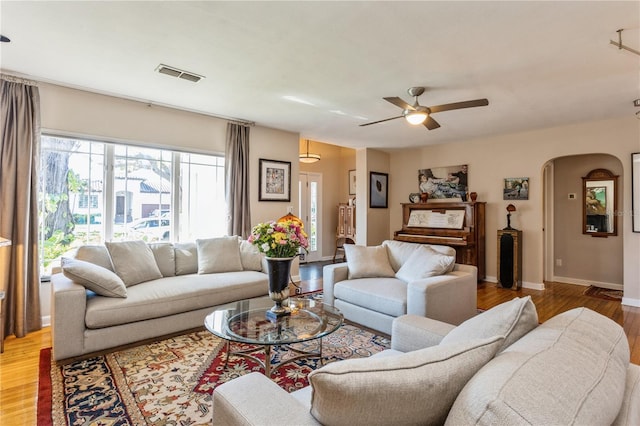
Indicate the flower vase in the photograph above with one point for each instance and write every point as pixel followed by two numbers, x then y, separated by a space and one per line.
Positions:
pixel 278 269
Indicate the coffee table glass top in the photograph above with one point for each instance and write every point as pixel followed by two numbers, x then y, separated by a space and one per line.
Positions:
pixel 247 321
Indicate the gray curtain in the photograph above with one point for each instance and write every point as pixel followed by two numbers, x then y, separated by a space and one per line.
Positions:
pixel 19 153
pixel 237 180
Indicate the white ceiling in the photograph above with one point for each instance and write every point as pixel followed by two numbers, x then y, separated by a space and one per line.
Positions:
pixel 540 64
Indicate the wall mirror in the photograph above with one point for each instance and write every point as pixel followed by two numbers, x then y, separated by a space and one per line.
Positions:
pixel 600 206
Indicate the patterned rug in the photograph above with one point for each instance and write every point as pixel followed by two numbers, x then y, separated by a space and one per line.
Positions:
pixel 170 382
pixel 603 293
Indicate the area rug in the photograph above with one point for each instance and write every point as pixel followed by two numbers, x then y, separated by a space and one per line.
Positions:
pixel 603 293
pixel 171 382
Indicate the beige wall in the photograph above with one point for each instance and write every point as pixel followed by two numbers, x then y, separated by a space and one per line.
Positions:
pixel 524 155
pixel 585 260
pixel 377 220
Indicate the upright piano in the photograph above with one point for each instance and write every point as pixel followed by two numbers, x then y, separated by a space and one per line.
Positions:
pixel 455 224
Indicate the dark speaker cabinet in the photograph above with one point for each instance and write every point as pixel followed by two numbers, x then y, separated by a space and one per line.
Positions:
pixel 510 258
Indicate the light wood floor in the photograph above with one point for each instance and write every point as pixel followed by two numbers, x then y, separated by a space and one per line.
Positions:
pixel 19 362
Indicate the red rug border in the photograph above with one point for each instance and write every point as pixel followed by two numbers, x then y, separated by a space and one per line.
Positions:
pixel 44 389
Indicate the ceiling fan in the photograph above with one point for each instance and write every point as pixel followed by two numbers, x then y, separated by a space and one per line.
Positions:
pixel 418 114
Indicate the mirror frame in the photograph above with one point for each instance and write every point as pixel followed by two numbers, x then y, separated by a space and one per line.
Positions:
pixel 606 179
pixel 635 191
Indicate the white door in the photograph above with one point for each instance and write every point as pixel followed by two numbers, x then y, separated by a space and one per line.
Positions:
pixel 310 207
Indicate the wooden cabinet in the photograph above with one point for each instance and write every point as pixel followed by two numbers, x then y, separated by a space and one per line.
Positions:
pixel 346 221
pixel 346 231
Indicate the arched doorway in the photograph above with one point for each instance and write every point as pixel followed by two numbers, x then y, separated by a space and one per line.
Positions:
pixel 569 255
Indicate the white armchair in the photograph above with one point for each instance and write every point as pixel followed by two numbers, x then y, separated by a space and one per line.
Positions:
pixel 377 293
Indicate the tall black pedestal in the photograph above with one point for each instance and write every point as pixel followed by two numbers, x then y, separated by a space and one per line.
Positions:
pixel 510 258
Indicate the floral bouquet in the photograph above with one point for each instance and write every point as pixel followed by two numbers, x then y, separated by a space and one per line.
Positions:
pixel 279 239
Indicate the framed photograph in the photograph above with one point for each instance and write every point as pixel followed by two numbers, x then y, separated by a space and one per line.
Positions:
pixel 378 190
pixel 516 189
pixel 444 184
pixel 635 191
pixel 352 182
pixel 275 180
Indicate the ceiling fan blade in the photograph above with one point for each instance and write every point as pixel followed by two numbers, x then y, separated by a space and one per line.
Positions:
pixel 399 103
pixel 430 123
pixel 459 105
pixel 380 121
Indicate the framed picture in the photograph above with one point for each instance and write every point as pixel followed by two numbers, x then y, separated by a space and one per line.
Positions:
pixel 516 189
pixel 275 180
pixel 378 190
pixel 352 182
pixel 444 184
pixel 635 191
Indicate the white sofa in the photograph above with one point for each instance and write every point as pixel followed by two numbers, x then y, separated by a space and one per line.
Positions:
pixel 120 293
pixel 573 369
pixel 378 284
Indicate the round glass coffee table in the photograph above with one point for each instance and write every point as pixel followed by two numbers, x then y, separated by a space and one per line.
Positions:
pixel 249 322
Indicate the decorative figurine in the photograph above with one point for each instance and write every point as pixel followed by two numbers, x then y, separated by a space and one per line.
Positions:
pixel 510 208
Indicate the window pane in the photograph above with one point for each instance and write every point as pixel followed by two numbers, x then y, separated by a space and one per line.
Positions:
pixel 74 209
pixel 142 190
pixel 70 196
pixel 202 203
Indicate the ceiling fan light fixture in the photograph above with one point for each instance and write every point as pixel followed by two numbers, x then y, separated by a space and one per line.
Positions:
pixel 416 117
pixel 307 157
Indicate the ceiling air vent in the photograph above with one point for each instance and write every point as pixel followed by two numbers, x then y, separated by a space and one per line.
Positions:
pixel 175 72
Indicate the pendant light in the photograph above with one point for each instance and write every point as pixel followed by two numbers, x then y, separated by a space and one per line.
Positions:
pixel 306 157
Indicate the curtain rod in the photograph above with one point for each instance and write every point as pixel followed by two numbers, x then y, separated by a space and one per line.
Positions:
pixel 14 79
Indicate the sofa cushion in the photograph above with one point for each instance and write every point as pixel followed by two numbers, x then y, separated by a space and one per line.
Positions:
pixel 511 319
pixel 384 295
pixel 400 251
pixel 93 277
pixel 186 258
pixel 425 262
pixel 630 411
pixel 570 370
pixel 165 257
pixel 250 256
pixel 173 295
pixel 367 262
pixel 98 255
pixel 220 254
pixel 133 261
pixel 417 387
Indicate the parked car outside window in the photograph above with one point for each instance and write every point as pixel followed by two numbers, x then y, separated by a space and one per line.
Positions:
pixel 151 229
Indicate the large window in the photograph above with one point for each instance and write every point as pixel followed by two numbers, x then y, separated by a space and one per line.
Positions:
pixel 91 192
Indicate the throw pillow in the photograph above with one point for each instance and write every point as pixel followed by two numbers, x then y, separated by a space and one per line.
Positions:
pixel 133 261
pixel 98 255
pixel 93 277
pixel 165 258
pixel 512 319
pixel 367 262
pixel 425 262
pixel 417 387
pixel 218 255
pixel 250 256
pixel 186 258
pixel 400 251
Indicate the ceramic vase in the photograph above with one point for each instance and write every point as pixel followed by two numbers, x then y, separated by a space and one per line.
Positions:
pixel 278 270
